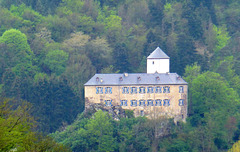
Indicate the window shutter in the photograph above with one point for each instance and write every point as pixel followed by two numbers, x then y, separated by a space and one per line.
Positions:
pixel 97 90
pixel 110 90
pixel 181 89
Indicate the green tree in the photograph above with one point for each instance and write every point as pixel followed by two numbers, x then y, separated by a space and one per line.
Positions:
pixel 213 103
pixel 225 68
pixel 60 27
pixel 16 57
pixel 186 52
pixel 212 98
pixel 235 147
pixel 15 124
pixel 18 50
pixel 78 72
pixel 56 61
pixel 100 131
pixel 54 102
pixel 221 37
pixel 8 20
pixel 120 55
pixel 100 53
pixel 191 73
pixel 94 134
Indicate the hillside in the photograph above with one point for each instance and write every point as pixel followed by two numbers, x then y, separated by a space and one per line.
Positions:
pixel 49 49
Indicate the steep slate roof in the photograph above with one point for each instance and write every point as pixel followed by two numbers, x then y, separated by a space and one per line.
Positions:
pixel 158 54
pixel 135 79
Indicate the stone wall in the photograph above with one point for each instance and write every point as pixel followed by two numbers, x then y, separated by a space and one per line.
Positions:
pixel 174 110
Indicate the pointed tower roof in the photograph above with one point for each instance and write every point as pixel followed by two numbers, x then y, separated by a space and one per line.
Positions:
pixel 158 54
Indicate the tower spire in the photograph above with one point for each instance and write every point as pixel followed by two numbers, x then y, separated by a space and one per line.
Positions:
pixel 158 62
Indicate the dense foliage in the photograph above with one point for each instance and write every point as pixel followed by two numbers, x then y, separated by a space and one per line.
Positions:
pixel 16 129
pixel 49 49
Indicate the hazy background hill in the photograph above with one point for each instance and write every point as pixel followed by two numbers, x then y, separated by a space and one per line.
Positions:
pixel 50 48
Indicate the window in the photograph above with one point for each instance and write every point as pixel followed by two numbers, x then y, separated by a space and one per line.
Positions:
pixel 166 102
pixel 158 102
pixel 141 89
pixel 166 89
pixel 125 90
pixel 108 90
pixel 133 90
pixel 133 103
pixel 181 102
pixel 141 102
pixel 108 103
pixel 181 89
pixel 142 113
pixel 150 103
pixel 99 90
pixel 150 90
pixel 123 103
pixel 158 89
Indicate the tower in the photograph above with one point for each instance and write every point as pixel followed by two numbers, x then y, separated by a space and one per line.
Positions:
pixel 158 62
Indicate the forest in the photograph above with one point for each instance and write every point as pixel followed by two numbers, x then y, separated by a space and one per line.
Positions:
pixel 50 48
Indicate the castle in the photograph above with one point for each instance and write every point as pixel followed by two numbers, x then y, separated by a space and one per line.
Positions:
pixel 154 94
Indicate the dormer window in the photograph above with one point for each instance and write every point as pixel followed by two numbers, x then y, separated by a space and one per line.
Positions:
pixel 120 79
pixel 97 79
pixel 139 78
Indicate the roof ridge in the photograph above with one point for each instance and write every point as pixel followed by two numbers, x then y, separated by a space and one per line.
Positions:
pixel 132 79
pixel 158 54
